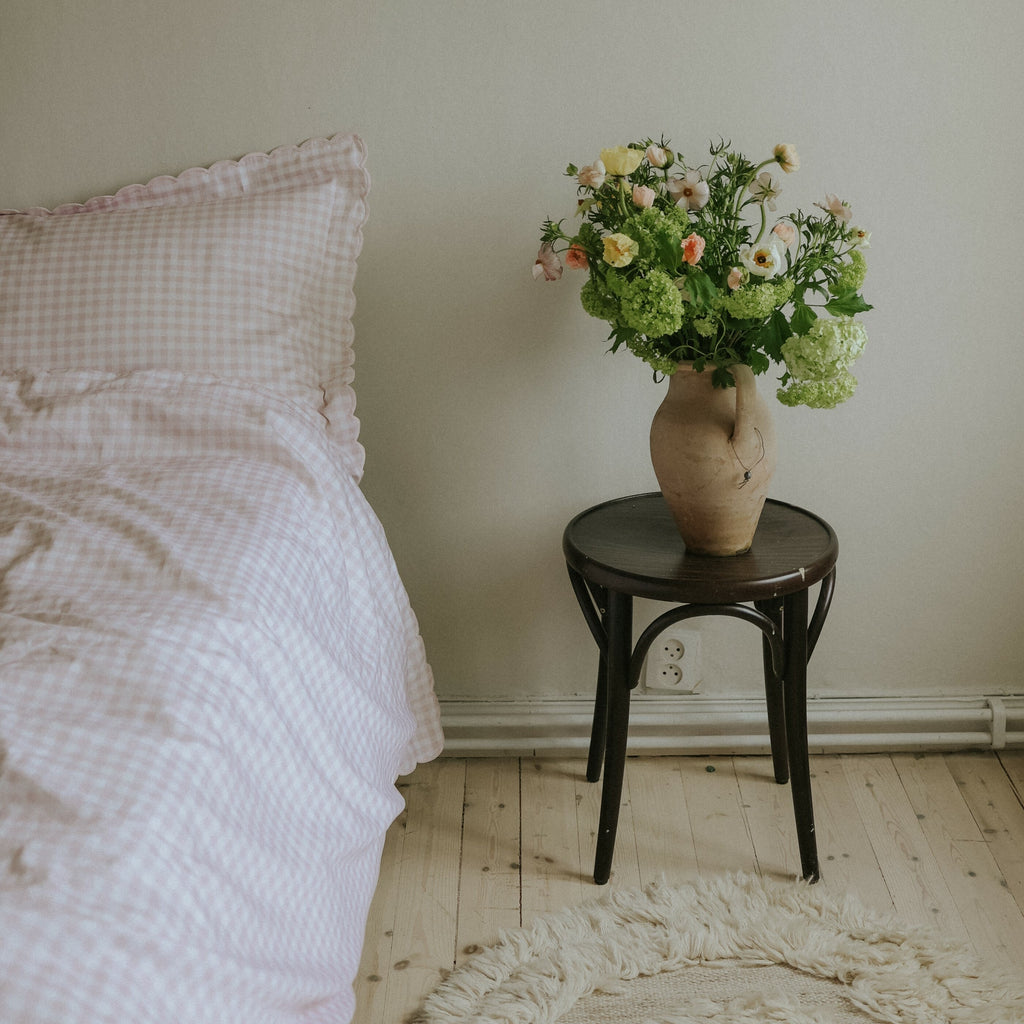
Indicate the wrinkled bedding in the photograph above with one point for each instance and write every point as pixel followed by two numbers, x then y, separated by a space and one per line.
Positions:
pixel 210 679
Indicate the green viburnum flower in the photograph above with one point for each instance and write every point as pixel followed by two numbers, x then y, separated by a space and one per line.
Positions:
pixel 852 275
pixel 652 305
pixel 756 301
pixel 599 302
pixel 648 352
pixel 705 326
pixel 826 350
pixel 659 232
pixel 818 394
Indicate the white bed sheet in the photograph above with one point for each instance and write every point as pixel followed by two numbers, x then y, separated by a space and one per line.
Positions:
pixel 210 679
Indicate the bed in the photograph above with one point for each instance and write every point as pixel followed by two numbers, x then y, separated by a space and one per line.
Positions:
pixel 210 673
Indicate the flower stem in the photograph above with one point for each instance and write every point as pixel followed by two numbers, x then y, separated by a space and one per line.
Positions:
pixel 764 224
pixel 743 188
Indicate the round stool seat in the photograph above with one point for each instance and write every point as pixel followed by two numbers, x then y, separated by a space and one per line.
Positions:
pixel 634 541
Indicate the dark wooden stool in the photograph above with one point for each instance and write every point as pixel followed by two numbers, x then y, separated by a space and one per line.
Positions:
pixel 629 547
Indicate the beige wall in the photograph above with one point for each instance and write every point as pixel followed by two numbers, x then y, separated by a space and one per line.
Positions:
pixel 489 410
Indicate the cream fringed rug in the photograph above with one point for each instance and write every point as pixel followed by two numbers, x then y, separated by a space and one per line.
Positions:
pixel 734 950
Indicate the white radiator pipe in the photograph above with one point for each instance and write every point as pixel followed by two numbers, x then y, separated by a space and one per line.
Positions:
pixel 696 725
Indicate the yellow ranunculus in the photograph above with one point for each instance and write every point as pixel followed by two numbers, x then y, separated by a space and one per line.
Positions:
pixel 621 160
pixel 620 250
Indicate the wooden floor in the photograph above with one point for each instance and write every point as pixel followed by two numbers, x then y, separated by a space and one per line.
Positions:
pixel 487 844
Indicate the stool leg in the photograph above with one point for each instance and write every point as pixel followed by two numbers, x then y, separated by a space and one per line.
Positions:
pixel 795 630
pixel 619 623
pixel 774 698
pixel 599 727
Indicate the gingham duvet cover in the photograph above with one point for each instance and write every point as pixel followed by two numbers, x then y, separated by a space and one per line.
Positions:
pixel 210 678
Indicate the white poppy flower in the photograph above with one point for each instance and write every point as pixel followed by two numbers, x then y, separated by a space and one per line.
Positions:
pixel 765 259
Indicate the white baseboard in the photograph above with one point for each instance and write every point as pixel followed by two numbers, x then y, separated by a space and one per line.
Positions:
pixel 738 725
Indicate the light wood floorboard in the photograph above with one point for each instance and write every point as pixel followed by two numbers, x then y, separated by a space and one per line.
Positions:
pixel 486 844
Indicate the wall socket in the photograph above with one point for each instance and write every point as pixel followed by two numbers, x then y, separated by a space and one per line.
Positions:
pixel 673 661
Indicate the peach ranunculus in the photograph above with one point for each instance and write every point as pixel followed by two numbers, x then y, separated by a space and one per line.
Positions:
pixel 621 160
pixel 592 176
pixel 658 156
pixel 547 264
pixel 644 196
pixel 693 249
pixel 576 258
pixel 787 157
pixel 737 276
pixel 689 192
pixel 786 232
pixel 620 250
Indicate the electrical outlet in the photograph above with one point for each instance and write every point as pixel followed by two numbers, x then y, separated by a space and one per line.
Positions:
pixel 673 661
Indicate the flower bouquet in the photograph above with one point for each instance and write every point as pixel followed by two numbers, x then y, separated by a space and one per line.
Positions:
pixel 688 264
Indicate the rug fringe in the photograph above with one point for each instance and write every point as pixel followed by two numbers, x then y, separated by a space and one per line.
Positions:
pixel 535 974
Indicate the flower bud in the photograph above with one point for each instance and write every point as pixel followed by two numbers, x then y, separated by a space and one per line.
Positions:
pixel 786 232
pixel 644 196
pixel 658 156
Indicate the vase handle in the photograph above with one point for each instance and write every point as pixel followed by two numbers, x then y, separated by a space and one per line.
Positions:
pixel 744 429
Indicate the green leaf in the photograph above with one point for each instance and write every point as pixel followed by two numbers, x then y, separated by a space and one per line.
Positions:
pixel 758 362
pixel 701 288
pixel 847 305
pixel 669 255
pixel 802 319
pixel 620 336
pixel 771 336
pixel 723 378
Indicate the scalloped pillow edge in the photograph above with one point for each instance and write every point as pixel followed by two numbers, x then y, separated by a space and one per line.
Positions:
pixel 158 189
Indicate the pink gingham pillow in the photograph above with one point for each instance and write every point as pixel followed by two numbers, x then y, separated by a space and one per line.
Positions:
pixel 243 270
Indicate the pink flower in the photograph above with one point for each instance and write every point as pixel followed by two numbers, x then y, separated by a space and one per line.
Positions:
pixel 835 206
pixel 576 258
pixel 657 156
pixel 786 232
pixel 691 193
pixel 547 264
pixel 693 249
pixel 644 196
pixel 736 277
pixel 592 176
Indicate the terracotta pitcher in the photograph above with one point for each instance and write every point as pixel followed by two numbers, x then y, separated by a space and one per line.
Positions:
pixel 713 451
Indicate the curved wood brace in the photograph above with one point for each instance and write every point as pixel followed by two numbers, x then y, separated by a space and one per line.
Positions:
pixel 590 605
pixel 692 611
pixel 821 607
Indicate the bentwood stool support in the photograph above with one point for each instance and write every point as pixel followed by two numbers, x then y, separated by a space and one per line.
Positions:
pixel 629 547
